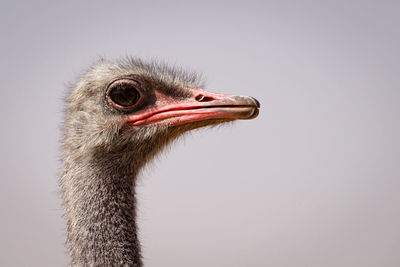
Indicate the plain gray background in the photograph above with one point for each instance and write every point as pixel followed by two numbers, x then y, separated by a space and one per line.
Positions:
pixel 313 181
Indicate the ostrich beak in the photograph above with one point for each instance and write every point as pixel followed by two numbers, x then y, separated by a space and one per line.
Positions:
pixel 201 106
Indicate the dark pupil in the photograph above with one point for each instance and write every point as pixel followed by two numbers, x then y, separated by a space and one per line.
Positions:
pixel 124 94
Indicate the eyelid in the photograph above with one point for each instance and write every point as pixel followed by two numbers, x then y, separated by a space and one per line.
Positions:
pixel 118 81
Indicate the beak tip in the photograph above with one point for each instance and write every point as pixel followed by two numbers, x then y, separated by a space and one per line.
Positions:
pixel 256 101
pixel 254 114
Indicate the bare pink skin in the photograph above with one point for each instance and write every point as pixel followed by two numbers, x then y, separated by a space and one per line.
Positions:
pixel 202 106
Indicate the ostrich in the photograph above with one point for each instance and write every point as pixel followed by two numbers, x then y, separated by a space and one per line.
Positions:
pixel 119 114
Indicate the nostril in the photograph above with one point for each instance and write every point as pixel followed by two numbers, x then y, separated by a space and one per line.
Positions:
pixel 203 98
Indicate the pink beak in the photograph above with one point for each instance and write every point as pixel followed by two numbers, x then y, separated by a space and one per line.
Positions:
pixel 201 106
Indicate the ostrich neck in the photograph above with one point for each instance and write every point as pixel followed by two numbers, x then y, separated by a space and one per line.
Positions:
pixel 100 208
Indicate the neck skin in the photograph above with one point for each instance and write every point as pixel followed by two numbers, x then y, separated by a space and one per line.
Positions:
pixel 99 196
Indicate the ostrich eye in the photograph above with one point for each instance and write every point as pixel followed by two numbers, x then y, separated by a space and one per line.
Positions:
pixel 123 93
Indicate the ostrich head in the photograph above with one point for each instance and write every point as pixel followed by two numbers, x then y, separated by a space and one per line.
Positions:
pixel 133 105
pixel 118 116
